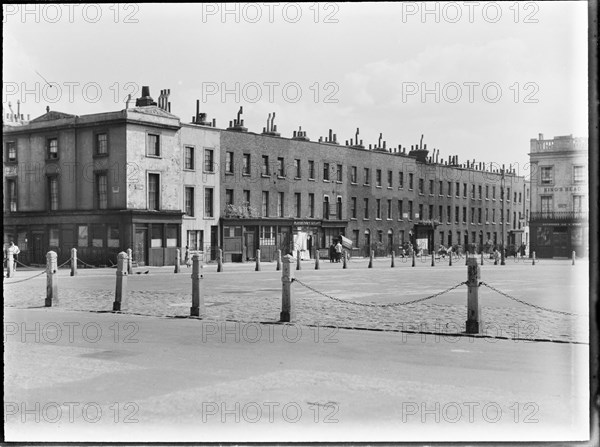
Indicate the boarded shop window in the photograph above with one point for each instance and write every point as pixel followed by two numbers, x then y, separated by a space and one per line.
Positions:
pixel 157 236
pixel 82 236
pixel 98 236
pixel 53 237
pixel 113 236
pixel 171 235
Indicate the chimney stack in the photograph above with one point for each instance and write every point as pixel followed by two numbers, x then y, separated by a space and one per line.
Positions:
pixel 237 124
pixel 145 100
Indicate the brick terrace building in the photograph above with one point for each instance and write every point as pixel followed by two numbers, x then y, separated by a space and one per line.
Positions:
pixel 140 178
pixel 559 196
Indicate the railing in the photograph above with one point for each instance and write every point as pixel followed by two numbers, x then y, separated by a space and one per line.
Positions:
pixel 558 216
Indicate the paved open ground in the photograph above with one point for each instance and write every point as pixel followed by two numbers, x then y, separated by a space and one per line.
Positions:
pixel 239 293
pixel 75 374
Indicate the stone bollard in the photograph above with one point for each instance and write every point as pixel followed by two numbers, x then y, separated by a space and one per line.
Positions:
pixel 177 261
pixel 317 267
pixel 482 258
pixel 392 265
pixel 533 258
pixel 288 314
pixel 10 265
pixel 220 260
pixel 345 260
pixel 51 279
pixel 450 259
pixel 467 258
pixel 73 262
pixel 121 286
pixel 129 261
pixel 257 268
pixel 298 266
pixel 432 258
pixel 198 309
pixel 278 260
pixel 371 259
pixel 413 259
pixel 474 324
pixel 573 257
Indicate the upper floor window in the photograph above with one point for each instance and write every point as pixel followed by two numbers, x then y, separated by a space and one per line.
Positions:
pixel 52 148
pixel 11 189
pixel 353 174
pixel 578 174
pixel 400 179
pixel 311 169
pixel 189 201
pixel 421 187
pixel 102 191
pixel 297 167
pixel 378 177
pixel 367 174
pixel 11 151
pixel 209 206
pixel 229 196
pixel 53 193
pixel 338 173
pixel 153 191
pixel 325 171
pixel 390 180
pixel 410 181
pixel 546 175
pixel 229 162
pixel 246 166
pixel 546 204
pixel 153 145
pixel 265 165
pixel 101 144
pixel 281 167
pixel 189 157
pixel 209 160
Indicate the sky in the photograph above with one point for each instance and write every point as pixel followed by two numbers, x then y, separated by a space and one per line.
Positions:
pixel 477 79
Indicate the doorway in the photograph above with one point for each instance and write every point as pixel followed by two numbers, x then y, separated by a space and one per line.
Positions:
pixel 139 248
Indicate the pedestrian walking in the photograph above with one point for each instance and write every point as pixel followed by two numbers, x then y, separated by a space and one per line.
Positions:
pixel 338 251
pixel 187 258
pixel 331 253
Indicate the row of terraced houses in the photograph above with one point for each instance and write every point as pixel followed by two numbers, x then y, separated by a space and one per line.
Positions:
pixel 141 178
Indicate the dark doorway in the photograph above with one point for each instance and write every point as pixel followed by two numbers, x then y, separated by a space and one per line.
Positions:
pixel 37 249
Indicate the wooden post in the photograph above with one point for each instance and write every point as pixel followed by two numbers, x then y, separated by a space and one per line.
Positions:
pixel 288 314
pixel 298 266
pixel 413 258
pixel 220 260
pixel 278 260
pixel 317 267
pixel 121 285
pixel 177 261
pixel 573 257
pixel 198 309
pixel 257 268
pixel 129 261
pixel 393 257
pixel 344 260
pixel 533 258
pixel 10 265
pixel 51 279
pixel 481 257
pixel 73 262
pixel 474 325
pixel 371 259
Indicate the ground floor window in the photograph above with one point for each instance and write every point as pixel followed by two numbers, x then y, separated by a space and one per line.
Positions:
pixel 267 235
pixel 113 236
pixel 172 235
pixel 82 236
pixel 98 236
pixel 53 237
pixel 157 236
pixel 195 239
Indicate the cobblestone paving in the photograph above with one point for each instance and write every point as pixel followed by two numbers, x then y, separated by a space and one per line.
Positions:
pixel 243 295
